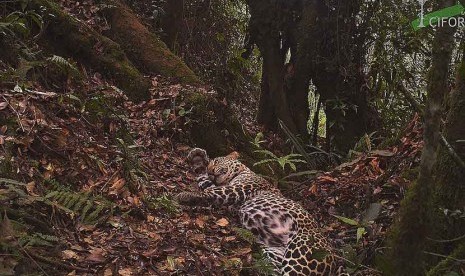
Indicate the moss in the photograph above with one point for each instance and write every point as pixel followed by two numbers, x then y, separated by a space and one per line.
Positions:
pixel 151 55
pixel 405 258
pixel 71 38
pixel 410 174
pixel 449 264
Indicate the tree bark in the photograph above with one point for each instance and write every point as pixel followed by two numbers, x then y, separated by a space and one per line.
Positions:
pixel 69 37
pixel 143 47
pixel 409 234
pixel 449 184
pixel 172 22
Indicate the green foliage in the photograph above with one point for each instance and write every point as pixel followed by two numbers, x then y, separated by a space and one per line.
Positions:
pixel 262 265
pixel 65 65
pixel 365 143
pixel 20 23
pixel 171 207
pixel 290 159
pixel 258 140
pixel 38 239
pixel 245 234
pixel 87 208
pixel 370 215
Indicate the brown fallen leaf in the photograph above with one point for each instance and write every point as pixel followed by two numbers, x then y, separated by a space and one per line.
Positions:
pixel 314 189
pixel 150 218
pixel 108 272
pixel 96 255
pixel 125 272
pixel 30 188
pixel 222 222
pixel 69 254
pixel 200 222
pixel 326 179
pixel 3 105
pixel 6 229
pixel 117 186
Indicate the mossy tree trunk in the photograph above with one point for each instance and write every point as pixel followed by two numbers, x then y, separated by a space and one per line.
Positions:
pixel 449 188
pixel 69 37
pixel 143 47
pixel 409 235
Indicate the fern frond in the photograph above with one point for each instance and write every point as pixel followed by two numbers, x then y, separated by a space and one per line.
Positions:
pixel 64 65
pixel 245 234
pixel 266 152
pixel 262 265
pixel 87 208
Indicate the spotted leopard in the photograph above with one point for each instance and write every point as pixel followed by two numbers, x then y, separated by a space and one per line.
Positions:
pixel 286 231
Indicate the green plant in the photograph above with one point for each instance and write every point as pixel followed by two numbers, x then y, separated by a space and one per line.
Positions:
pixel 317 158
pixel 245 234
pixel 89 209
pixel 20 22
pixel 262 265
pixel 258 140
pixel 365 143
pixel 64 65
pixel 370 215
pixel 38 239
pixel 171 207
pixel 290 159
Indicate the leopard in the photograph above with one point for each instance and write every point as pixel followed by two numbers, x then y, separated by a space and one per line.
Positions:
pixel 288 234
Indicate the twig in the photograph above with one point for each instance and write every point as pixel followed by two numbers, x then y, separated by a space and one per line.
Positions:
pixel 410 99
pixel 16 112
pixel 451 151
pixel 444 256
pixel 364 266
pixel 32 259
pixel 56 263
pixel 451 240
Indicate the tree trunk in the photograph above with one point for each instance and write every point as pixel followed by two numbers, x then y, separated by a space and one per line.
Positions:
pixel 410 232
pixel 450 180
pixel 305 60
pixel 172 22
pixel 266 113
pixel 69 37
pixel 144 48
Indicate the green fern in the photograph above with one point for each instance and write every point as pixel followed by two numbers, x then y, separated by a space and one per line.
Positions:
pixel 170 206
pixel 262 265
pixel 89 209
pixel 245 234
pixel 290 159
pixel 64 65
pixel 38 239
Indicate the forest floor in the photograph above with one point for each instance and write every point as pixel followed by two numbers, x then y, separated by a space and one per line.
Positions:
pixel 97 174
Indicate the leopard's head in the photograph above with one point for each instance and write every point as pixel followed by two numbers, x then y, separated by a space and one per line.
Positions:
pixel 223 169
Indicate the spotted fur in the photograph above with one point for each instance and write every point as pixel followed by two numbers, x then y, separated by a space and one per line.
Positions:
pixel 288 234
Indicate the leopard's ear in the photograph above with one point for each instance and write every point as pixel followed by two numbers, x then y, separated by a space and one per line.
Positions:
pixel 234 155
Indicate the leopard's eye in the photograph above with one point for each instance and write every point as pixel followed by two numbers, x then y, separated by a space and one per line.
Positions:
pixel 222 170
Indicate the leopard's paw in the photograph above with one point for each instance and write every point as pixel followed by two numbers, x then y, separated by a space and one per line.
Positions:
pixel 198 159
pixel 189 198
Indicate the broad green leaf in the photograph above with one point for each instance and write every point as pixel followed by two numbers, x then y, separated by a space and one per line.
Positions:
pixel 346 220
pixel 360 232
